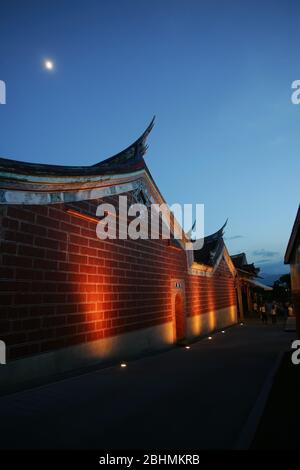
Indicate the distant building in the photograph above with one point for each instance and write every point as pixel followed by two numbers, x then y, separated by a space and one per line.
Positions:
pixel 292 257
pixel 69 299
pixel 248 288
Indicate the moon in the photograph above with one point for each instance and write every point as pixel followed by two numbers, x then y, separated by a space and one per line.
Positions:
pixel 48 64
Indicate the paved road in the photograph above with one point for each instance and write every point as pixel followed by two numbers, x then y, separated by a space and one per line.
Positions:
pixel 180 399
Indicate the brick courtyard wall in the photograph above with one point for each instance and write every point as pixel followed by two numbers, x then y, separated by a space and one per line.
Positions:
pixel 61 285
pixel 206 294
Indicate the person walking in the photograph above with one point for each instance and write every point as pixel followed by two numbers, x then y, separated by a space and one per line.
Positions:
pixel 274 313
pixel 290 310
pixel 264 316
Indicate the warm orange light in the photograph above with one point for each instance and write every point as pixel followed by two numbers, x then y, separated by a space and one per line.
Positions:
pixel 212 319
pixel 233 313
pixel 82 216
pixel 176 248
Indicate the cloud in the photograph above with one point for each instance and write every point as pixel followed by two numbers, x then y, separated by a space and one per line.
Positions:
pixel 264 261
pixel 265 254
pixel 273 268
pixel 234 237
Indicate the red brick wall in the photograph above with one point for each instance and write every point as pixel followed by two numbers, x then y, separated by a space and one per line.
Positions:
pixel 61 285
pixel 205 294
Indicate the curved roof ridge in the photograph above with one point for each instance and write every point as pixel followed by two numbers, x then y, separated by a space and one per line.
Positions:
pixel 216 235
pixel 129 159
pixel 133 151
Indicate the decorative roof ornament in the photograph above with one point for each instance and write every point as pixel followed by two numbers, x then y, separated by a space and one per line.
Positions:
pixel 218 234
pixel 212 247
pixel 190 232
pixel 135 151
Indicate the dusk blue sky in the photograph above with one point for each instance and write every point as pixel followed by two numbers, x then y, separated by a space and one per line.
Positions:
pixel 217 75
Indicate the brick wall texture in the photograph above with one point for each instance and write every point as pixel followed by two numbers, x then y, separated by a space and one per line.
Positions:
pixel 60 285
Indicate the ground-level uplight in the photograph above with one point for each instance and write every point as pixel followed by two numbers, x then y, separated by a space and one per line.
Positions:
pixel 123 365
pixel 241 324
pixel 187 347
pixel 223 331
pixel 210 337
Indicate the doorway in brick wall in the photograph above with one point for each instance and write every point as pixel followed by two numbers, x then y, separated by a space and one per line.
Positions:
pixel 178 307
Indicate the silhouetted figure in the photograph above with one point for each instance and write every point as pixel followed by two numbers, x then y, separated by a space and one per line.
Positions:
pixel 274 313
pixel 264 316
pixel 255 308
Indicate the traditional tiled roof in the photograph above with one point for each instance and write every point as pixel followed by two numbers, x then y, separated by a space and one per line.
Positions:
pixel 125 161
pixel 294 238
pixel 251 269
pixel 212 248
pixel 241 263
pixel 239 260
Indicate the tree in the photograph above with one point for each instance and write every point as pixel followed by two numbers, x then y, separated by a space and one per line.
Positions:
pixel 282 288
